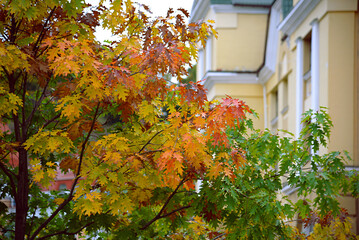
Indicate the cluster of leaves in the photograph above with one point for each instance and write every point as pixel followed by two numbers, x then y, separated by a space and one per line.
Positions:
pixel 328 226
pixel 247 201
pixel 59 87
pixel 136 143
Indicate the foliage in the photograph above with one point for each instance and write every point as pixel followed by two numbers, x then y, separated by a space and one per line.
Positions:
pixel 136 143
pixel 191 75
pixel 328 226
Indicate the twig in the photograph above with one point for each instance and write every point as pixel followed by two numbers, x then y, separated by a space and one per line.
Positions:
pixel 51 120
pixel 148 142
pixel 9 174
pixel 37 104
pixel 67 233
pixel 42 34
pixel 176 210
pixel 159 215
pixel 223 234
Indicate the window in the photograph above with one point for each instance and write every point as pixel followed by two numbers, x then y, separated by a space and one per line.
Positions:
pixel 274 109
pixel 307 66
pixel 307 55
pixel 62 187
pixel 287 6
pixel 285 96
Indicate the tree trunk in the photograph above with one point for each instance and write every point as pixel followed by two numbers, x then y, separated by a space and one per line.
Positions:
pixel 22 196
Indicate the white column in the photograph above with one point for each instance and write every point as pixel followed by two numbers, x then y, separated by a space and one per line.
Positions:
pixel 209 54
pixel 315 65
pixel 265 106
pixel 200 66
pixel 299 87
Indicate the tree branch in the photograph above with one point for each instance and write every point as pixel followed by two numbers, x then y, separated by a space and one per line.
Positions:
pixel 86 140
pixel 23 124
pixel 15 118
pixel 69 198
pixel 51 120
pixel 159 215
pixel 37 104
pixel 9 174
pixel 67 233
pixel 149 141
pixel 42 34
pixel 176 210
pixel 4 230
pixel 219 236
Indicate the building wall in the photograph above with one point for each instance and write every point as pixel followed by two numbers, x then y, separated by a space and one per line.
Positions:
pixel 338 77
pixel 341 79
pixel 275 93
pixel 246 53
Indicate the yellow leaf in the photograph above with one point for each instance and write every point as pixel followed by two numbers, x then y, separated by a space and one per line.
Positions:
pixel 58 201
pixel 70 107
pixel 215 170
pixel 120 92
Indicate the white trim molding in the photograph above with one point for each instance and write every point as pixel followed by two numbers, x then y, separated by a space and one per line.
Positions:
pixel 272 44
pixel 213 78
pixel 352 168
pixel 202 7
pixel 297 16
pixel 265 74
pixel 229 8
pixel 265 106
pixel 200 10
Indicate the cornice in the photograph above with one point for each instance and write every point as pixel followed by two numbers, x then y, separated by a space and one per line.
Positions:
pixel 265 74
pixel 200 10
pixel 300 12
pixel 213 78
pixel 202 7
pixel 288 190
pixel 272 44
pixel 229 8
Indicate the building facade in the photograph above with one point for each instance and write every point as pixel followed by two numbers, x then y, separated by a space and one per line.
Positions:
pixel 283 57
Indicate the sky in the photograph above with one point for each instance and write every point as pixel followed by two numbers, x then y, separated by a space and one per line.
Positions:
pixel 158 7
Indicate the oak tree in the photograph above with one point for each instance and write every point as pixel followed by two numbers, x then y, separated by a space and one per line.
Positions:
pixel 135 142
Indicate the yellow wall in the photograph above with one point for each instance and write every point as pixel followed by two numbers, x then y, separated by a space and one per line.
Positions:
pixel 337 72
pixel 241 48
pixel 341 79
